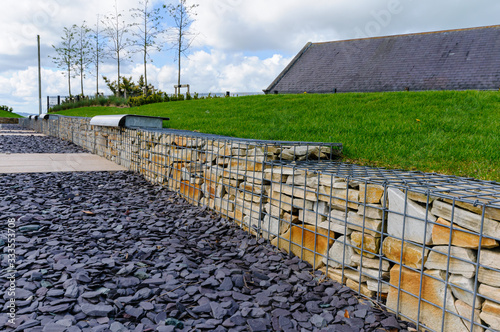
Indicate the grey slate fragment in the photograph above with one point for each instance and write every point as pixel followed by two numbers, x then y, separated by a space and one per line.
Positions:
pixel 98 310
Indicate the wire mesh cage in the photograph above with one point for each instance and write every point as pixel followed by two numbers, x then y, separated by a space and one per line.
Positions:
pixel 424 245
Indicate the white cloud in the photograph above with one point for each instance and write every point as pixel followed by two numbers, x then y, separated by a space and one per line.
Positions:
pixel 217 71
pixel 242 44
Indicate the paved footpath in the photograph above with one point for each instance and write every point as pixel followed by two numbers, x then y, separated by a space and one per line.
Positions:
pixel 107 251
pixel 24 151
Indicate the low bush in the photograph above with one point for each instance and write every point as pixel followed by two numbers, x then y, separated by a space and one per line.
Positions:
pixel 72 102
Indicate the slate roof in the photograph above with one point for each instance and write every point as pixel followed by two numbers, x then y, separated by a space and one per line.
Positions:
pixel 444 60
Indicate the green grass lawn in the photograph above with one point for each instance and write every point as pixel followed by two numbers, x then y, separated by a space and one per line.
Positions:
pixel 450 132
pixel 5 114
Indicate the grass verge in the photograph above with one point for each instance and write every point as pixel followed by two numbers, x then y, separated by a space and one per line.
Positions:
pixel 5 114
pixel 449 132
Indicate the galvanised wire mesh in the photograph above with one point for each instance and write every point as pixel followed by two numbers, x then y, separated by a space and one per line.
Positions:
pixel 424 245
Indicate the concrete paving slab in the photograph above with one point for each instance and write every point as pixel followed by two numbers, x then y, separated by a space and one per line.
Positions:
pixel 55 162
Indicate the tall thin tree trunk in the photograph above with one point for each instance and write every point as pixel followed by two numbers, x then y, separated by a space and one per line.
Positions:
pixel 117 52
pixel 69 81
pixel 118 82
pixel 145 54
pixel 97 74
pixel 81 77
pixel 179 63
pixel 145 74
pixel 97 59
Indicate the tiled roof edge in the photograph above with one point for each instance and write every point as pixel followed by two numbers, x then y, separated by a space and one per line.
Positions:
pixel 287 68
pixel 410 34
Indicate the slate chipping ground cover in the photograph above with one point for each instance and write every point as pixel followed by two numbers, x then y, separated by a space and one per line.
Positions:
pixel 33 144
pixel 110 252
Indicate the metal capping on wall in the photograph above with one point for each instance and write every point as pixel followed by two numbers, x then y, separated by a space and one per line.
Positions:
pixel 341 218
pixel 128 120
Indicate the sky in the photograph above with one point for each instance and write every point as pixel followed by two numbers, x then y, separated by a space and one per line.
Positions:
pixel 240 45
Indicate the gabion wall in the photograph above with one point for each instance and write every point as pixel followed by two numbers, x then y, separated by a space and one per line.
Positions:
pixel 424 245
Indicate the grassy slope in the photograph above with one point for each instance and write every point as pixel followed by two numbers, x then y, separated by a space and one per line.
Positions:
pixel 448 132
pixel 5 114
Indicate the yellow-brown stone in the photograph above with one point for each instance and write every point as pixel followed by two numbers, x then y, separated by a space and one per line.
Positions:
pixel 372 192
pixel 246 165
pixel 306 243
pixel 465 310
pixel 334 274
pixel 191 191
pixel 355 286
pixel 368 243
pixel 459 238
pixel 337 197
pixel 412 254
pixel 489 291
pixel 433 290
pixel 491 314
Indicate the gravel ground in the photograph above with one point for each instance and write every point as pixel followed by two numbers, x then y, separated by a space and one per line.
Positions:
pixel 109 252
pixel 33 144
pixel 101 251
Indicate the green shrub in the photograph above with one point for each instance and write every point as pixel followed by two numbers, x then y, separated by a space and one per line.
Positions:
pixel 70 103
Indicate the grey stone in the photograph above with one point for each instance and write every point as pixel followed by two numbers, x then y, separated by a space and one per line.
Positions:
pixel 318 321
pixel 257 325
pixel 98 310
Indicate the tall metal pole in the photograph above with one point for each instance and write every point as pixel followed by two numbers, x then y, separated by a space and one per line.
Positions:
pixel 39 78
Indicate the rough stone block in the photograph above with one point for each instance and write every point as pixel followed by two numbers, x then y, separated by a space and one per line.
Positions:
pixel 412 254
pixel 360 288
pixel 239 175
pixel 373 211
pixel 246 165
pixel 308 180
pixel 415 227
pixel 273 210
pixel 459 238
pixel 466 219
pixel 489 212
pixel 337 197
pixel 192 192
pixel 371 263
pixel 371 226
pixel 248 208
pixel 335 227
pixel 369 244
pixel 275 177
pixel 465 310
pixel 288 203
pixel 438 258
pixel 300 192
pixel 465 290
pixel 376 286
pixel 273 226
pixel 249 197
pixel 490 258
pixel 337 256
pixel 433 290
pixel 489 277
pixel 334 274
pixel 224 203
pixel 306 242
pixel 491 314
pixel 373 193
pixel 311 217
pixel 183 155
pixel 491 292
